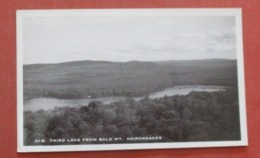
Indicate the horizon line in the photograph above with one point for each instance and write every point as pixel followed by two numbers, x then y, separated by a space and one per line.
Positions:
pixel 127 61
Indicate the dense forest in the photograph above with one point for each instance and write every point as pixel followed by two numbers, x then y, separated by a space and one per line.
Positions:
pixel 80 79
pixel 197 116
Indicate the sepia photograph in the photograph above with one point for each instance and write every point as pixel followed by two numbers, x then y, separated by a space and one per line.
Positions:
pixel 118 79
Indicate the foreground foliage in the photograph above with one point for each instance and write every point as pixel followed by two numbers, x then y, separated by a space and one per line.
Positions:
pixel 198 116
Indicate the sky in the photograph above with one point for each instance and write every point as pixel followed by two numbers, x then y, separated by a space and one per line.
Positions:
pixel 56 39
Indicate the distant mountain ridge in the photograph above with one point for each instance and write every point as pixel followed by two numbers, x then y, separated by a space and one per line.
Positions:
pixel 131 61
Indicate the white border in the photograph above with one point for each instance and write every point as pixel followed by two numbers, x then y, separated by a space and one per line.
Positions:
pixel 236 12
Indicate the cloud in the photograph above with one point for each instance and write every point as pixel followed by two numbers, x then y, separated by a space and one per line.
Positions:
pixel 215 44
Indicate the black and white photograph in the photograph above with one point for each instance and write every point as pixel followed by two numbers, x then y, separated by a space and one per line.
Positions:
pixel 117 79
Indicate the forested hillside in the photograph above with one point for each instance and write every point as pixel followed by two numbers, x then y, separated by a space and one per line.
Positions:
pixel 102 78
pixel 197 116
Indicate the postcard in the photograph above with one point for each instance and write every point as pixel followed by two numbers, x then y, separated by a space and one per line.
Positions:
pixel 125 79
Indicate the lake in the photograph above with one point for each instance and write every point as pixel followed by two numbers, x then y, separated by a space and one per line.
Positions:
pixel 50 103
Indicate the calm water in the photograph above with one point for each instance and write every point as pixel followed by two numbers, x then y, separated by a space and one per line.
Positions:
pixel 50 103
